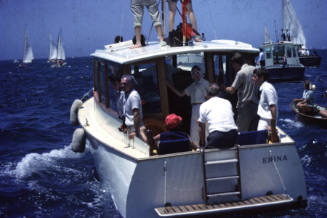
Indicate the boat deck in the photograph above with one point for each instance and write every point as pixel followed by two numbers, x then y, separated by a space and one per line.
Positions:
pixel 205 209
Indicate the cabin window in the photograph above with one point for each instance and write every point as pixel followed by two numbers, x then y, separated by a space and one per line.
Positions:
pixel 147 86
pixel 294 52
pixel 278 52
pixel 289 52
pixel 114 74
pixel 268 53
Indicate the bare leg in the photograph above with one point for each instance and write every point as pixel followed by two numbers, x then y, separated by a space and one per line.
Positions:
pixel 172 13
pixel 138 37
pixel 191 15
pixel 323 113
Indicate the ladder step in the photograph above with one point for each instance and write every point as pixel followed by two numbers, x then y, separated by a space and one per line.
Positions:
pixel 222 178
pixel 220 208
pixel 223 194
pixel 221 161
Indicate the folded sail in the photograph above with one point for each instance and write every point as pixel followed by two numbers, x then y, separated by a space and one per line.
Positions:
pixel 267 36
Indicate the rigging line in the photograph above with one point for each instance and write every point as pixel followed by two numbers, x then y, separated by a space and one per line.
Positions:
pixel 279 176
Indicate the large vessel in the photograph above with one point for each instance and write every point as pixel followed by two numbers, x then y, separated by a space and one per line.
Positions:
pixel 249 176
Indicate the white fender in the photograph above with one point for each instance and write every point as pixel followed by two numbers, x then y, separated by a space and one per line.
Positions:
pixel 78 140
pixel 73 111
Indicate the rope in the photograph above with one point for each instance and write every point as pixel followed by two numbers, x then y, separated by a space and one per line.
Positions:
pixel 165 184
pixel 86 94
pixel 279 176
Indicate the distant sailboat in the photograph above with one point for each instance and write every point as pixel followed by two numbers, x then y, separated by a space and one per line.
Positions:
pixel 61 56
pixel 28 52
pixel 292 24
pixel 52 50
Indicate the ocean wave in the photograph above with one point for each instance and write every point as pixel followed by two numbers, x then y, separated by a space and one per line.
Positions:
pixel 34 162
pixel 290 124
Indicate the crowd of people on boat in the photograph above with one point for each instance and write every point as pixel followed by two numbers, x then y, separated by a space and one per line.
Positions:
pixel 211 125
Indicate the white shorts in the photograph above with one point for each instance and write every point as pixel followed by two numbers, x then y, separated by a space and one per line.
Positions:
pixel 137 8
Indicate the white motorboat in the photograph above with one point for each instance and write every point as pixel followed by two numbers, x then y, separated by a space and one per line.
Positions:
pixel 249 176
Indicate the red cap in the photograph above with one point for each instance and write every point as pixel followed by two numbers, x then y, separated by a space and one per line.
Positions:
pixel 172 121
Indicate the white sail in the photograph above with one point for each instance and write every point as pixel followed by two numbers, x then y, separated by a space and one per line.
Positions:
pixel 28 52
pixel 52 49
pixel 267 36
pixel 60 49
pixel 291 23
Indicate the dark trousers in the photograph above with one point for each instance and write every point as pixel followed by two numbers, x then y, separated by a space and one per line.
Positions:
pixel 219 139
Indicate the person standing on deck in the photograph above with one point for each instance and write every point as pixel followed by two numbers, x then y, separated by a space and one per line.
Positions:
pixel 268 107
pixel 172 5
pixel 247 92
pixel 218 114
pixel 197 91
pixel 137 8
pixel 132 109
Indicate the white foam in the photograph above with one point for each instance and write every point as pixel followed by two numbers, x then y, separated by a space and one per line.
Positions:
pixel 289 124
pixel 35 162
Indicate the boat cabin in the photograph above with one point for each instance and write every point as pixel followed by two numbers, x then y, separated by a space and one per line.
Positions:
pixel 280 53
pixel 154 66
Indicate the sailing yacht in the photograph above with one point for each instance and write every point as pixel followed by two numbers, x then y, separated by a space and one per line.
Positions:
pixel 28 52
pixel 281 59
pixel 52 50
pixel 60 54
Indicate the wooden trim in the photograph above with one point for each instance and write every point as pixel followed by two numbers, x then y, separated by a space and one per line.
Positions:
pixel 161 71
pixel 106 79
pixel 208 59
pixel 99 80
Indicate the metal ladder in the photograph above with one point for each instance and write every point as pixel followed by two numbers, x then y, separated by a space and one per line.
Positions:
pixel 221 176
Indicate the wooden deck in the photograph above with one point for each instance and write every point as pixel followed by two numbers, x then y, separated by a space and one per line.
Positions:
pixel 203 209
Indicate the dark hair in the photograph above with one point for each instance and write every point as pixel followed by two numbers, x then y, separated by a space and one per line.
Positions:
pixel 195 67
pixel 130 79
pixel 142 40
pixel 307 84
pixel 237 58
pixel 213 90
pixel 261 72
pixel 119 39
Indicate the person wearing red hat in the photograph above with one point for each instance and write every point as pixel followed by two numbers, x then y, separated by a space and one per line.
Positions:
pixel 174 139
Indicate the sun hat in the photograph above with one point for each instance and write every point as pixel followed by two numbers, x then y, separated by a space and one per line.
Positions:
pixel 172 121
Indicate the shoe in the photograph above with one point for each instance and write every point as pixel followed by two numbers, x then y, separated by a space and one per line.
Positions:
pixel 163 43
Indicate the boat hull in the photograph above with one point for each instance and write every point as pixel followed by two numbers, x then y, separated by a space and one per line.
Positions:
pixel 310 61
pixel 309 119
pixel 287 73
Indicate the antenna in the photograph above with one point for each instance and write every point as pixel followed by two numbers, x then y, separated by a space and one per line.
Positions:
pixel 276 32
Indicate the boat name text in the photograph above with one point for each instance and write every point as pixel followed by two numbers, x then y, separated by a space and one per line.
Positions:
pixel 270 159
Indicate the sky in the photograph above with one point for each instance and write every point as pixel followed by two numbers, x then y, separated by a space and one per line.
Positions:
pixel 87 25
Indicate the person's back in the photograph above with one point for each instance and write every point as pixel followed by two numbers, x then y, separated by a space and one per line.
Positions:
pixel 173 142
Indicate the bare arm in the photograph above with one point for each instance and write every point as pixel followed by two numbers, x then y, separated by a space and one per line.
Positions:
pixel 180 94
pixel 202 134
pixel 274 134
pixel 230 90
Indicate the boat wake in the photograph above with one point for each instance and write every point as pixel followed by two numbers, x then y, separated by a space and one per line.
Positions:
pixel 290 124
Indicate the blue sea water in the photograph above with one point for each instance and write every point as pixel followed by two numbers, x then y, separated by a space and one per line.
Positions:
pixel 41 177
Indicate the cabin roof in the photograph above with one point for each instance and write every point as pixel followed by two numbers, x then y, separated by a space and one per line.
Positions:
pixel 122 54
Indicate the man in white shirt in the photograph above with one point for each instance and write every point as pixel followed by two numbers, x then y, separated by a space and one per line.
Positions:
pixel 197 91
pixel 268 103
pixel 218 114
pixel 132 109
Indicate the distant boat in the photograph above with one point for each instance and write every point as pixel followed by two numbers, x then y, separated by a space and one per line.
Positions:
pixel 52 50
pixel 292 24
pixel 61 56
pixel 28 52
pixel 281 58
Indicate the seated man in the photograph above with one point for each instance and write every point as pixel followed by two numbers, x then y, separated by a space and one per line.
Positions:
pixel 173 140
pixel 218 113
pixel 307 97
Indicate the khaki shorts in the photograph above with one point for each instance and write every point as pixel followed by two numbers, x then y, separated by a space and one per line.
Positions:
pixel 137 8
